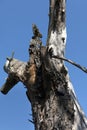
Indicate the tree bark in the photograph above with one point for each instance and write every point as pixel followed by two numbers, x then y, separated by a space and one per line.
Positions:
pixel 53 100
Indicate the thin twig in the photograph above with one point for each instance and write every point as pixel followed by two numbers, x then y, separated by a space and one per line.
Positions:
pixel 71 62
pixel 31 121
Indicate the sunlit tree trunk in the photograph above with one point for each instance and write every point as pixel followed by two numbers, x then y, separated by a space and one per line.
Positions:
pixel 58 108
pixel 53 100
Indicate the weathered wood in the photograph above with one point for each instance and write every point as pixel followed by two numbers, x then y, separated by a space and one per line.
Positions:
pixel 15 70
pixel 53 100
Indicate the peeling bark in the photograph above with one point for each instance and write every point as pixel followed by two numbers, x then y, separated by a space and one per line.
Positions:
pixel 53 100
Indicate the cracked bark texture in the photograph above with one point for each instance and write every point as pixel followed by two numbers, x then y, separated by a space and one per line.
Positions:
pixel 53 100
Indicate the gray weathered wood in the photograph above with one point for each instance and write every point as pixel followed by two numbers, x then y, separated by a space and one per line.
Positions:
pixel 49 89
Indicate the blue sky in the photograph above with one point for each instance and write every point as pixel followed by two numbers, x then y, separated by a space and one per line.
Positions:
pixel 16 18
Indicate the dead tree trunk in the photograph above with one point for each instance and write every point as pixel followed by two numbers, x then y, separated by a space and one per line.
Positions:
pixel 54 103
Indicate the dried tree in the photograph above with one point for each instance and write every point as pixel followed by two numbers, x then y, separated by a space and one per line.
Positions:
pixel 53 100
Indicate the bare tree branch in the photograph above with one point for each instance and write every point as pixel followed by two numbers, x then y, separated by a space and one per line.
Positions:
pixel 71 62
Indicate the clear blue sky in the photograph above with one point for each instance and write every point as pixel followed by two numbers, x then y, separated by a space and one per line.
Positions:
pixel 16 18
